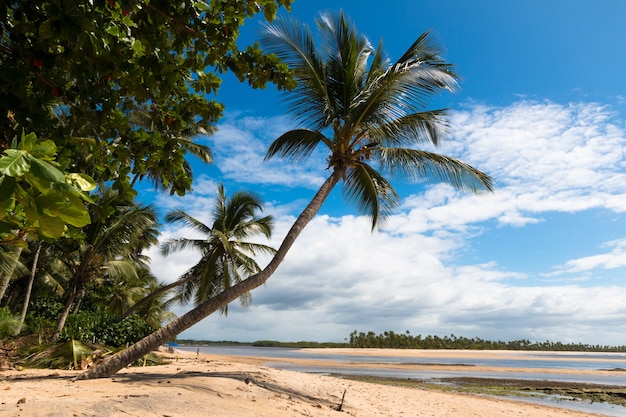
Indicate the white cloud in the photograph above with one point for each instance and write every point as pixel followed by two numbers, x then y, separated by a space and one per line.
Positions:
pixel 546 158
pixel 616 258
pixel 239 148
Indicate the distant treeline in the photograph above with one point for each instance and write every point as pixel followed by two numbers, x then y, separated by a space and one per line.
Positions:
pixel 300 345
pixel 392 340
pixel 263 343
pixel 193 342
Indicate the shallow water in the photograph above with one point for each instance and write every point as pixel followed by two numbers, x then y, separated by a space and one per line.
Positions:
pixel 535 360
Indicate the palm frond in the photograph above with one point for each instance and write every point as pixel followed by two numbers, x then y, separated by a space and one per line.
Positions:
pixel 296 145
pixel 257 225
pixel 68 355
pixel 254 248
pixel 410 130
pixel 292 42
pixel 121 270
pixel 179 216
pixel 418 164
pixel 373 194
pixel 178 244
pixel 403 88
pixel 346 55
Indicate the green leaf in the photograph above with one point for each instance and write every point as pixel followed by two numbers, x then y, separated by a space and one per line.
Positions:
pixel 42 175
pixel 6 228
pixel 15 163
pixel 51 204
pixel 75 213
pixel 138 47
pixel 52 227
pixel 82 181
pixel 46 31
pixel 28 141
pixel 7 187
pixel 46 149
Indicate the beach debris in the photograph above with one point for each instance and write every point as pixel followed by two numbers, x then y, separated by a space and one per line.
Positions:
pixel 22 400
pixel 339 407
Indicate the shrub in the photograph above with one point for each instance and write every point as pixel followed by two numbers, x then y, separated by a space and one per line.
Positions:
pixel 104 328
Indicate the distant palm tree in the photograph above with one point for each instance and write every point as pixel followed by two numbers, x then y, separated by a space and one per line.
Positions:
pixel 226 255
pixel 371 120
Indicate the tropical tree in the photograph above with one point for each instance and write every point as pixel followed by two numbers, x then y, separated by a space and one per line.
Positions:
pixel 372 120
pixel 156 310
pixel 96 63
pixel 111 246
pixel 10 266
pixel 226 255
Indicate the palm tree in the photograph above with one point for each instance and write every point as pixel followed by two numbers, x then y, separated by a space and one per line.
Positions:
pixel 10 265
pixel 225 255
pixel 112 246
pixel 372 120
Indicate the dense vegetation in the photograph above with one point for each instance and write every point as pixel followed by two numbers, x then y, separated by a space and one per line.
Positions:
pixel 98 98
pixel 392 340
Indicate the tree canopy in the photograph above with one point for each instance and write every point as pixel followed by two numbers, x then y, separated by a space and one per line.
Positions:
pixel 77 72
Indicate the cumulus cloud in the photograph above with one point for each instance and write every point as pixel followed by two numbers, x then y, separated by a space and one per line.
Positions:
pixel 547 159
pixel 615 258
pixel 239 148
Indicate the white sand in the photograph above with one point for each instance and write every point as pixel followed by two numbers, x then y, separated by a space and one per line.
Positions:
pixel 227 387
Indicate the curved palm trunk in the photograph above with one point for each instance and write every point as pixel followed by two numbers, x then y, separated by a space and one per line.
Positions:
pixel 116 362
pixel 29 289
pixel 64 314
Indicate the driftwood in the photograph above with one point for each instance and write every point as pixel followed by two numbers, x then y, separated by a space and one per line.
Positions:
pixel 340 406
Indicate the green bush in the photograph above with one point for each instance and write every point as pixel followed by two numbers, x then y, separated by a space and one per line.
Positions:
pixel 104 328
pixel 9 323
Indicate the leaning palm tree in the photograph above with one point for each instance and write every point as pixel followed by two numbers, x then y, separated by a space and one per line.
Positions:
pixel 371 119
pixel 226 256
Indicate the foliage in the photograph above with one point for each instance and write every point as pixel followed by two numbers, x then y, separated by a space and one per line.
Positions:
pixel 104 328
pixel 68 355
pixel 36 198
pixel 45 309
pixel 298 345
pixel 110 250
pixel 226 257
pixel 9 323
pixel 392 340
pixel 75 72
pixel 375 112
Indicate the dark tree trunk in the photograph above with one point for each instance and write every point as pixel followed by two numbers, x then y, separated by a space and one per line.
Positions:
pixel 116 362
pixel 69 300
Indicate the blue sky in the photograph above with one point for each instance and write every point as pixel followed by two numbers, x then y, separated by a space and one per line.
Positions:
pixel 541 108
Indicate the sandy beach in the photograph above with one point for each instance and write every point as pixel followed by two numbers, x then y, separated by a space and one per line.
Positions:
pixel 222 386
